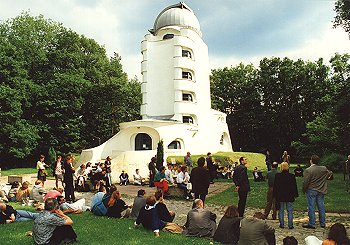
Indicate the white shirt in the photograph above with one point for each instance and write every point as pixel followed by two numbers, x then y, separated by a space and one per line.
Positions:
pixel 183 178
pixel 169 176
pixel 40 165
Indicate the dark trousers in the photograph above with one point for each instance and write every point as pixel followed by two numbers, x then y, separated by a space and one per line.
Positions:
pixel 242 202
pixel 183 187
pixel 271 204
pixel 62 233
pixel 69 190
pixel 200 196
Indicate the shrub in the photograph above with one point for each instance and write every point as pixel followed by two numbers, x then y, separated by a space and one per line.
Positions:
pixel 333 161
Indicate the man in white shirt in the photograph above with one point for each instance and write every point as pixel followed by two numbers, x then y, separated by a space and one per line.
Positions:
pixel 169 174
pixel 182 180
pixel 138 180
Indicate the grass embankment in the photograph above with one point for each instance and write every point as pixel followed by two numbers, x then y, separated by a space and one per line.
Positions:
pixel 18 171
pixel 97 230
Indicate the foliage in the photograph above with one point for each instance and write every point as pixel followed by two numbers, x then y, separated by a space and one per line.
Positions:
pixel 333 161
pixel 269 107
pixel 342 18
pixel 59 89
pixel 226 158
pixel 160 154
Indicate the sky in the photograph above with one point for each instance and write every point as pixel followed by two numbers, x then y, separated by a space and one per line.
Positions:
pixel 235 30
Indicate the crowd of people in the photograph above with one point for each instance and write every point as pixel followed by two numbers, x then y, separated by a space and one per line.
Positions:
pixel 52 225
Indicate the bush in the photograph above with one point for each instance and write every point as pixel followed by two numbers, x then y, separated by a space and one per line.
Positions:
pixel 333 161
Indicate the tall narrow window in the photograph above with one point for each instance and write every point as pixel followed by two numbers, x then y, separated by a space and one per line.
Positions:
pixel 143 142
pixel 187 97
pixel 187 75
pixel 187 119
pixel 186 53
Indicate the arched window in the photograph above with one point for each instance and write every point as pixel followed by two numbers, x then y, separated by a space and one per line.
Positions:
pixel 143 142
pixel 174 145
pixel 168 36
pixel 187 119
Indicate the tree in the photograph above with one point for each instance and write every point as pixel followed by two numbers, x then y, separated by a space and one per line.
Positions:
pixel 160 154
pixel 342 18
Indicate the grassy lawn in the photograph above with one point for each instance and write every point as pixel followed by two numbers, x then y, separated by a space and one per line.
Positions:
pixel 337 200
pixel 18 171
pixel 93 229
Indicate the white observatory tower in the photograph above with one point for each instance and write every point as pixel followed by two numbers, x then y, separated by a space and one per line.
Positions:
pixel 176 104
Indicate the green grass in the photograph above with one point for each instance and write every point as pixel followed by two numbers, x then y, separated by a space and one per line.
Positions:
pixel 254 159
pixel 97 230
pixel 337 199
pixel 18 171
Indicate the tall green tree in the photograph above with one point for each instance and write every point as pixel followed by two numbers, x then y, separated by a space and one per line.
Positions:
pixel 342 18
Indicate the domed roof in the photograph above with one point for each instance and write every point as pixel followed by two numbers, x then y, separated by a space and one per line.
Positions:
pixel 176 15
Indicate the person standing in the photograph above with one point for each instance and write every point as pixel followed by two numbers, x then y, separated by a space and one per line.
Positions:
pixel 211 167
pixel 271 201
pixel 108 165
pixel 188 161
pixel 200 180
pixel 58 171
pixel 268 161
pixel 68 179
pixel 240 178
pixel 285 191
pixel 41 167
pixel 286 157
pixel 347 174
pixel 315 186
pixel 152 171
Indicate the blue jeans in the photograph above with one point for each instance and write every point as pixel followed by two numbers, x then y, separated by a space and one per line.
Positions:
pixel 23 215
pixel 318 198
pixel 289 206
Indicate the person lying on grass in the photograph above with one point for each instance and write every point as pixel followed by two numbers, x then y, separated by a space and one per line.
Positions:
pixel 76 207
pixel 8 214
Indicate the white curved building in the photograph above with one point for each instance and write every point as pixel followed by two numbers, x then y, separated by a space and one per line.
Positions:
pixel 176 104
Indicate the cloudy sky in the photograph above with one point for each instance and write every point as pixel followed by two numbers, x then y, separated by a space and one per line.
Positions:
pixel 234 30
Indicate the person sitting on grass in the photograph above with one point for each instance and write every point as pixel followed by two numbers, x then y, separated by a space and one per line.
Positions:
pixel 163 212
pixel 149 218
pixel 13 191
pixel 228 228
pixel 139 202
pixel 200 222
pixel 116 207
pixel 8 214
pixel 76 207
pixel 124 178
pixel 138 180
pixel 258 175
pixel 290 240
pixel 160 180
pixel 52 226
pixel 53 193
pixel 299 171
pixel 336 236
pixel 255 231
pixel 38 192
pixel 23 192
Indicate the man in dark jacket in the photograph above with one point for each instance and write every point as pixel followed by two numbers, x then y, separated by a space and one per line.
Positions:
pixel 68 179
pixel 200 180
pixel 240 178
